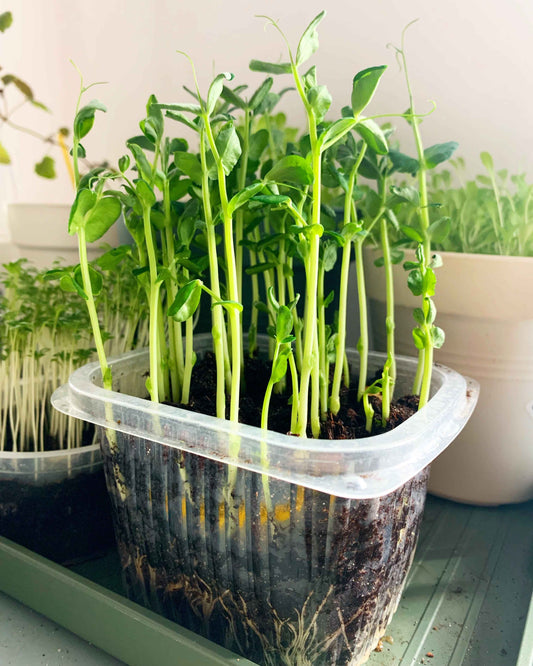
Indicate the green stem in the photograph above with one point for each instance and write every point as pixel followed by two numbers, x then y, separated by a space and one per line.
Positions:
pixel 176 362
pixel 234 315
pixel 340 354
pixel 153 307
pixel 217 329
pixel 322 344
pixel 363 344
pixel 107 380
pixel 427 354
pixel 390 379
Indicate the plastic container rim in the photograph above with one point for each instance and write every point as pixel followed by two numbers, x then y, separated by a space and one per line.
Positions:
pixel 56 453
pixel 82 385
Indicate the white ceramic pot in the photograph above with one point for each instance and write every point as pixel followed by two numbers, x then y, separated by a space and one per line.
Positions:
pixel 485 306
pixel 39 233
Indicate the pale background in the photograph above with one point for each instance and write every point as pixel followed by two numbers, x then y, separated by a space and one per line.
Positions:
pixel 473 57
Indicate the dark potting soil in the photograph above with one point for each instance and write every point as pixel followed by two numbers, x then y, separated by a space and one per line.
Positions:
pixel 311 582
pixel 66 521
pixel 349 423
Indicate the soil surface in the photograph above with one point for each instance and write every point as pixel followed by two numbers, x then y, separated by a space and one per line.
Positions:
pixel 349 423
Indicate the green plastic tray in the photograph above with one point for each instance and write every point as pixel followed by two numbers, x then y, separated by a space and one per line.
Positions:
pixel 467 600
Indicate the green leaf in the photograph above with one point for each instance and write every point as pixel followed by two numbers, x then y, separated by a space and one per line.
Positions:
pixel 94 276
pixel 273 302
pixel 186 302
pixel 228 305
pixel 84 201
pixel 228 147
pixel 403 163
pixel 215 89
pixel 272 199
pixel 190 165
pixel 437 337
pixel 145 193
pixel 243 196
pixel 412 233
pixel 439 153
pixel 418 316
pixel 484 180
pixel 364 86
pixel 270 67
pixel 291 169
pixel 329 298
pixel 21 85
pixel 335 132
pixel 373 136
pixel 279 368
pixel 260 94
pixel 260 268
pixel 85 118
pixel 124 163
pixel 141 141
pixel 46 167
pixel 419 338
pixel 101 217
pixel 308 43
pixel 66 283
pixel 396 256
pixel 429 282
pixel 179 117
pixel 438 231
pixel 415 282
pixel 429 311
pixel 144 167
pixel 487 161
pixel 178 187
pixel 405 194
pixel 6 19
pixel 4 155
pixel 110 260
pixel 231 97
pixel 258 143
pixel 185 107
pixel 153 125
pixel 350 230
pixel 330 257
pixel 320 100
pixel 284 322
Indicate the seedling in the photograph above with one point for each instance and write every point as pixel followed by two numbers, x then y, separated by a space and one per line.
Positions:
pixel 244 208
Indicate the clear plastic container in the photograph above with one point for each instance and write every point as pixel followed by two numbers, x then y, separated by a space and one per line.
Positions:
pixel 364 468
pixel 300 560
pixel 55 502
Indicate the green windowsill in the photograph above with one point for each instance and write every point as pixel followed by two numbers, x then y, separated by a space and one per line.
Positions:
pixel 467 600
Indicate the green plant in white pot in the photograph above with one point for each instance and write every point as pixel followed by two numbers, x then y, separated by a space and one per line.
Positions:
pixel 37 230
pixel 281 521
pixel 52 489
pixel 483 230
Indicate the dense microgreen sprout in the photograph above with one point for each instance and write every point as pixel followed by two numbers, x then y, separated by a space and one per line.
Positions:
pixel 45 334
pixel 245 209
pixel 492 213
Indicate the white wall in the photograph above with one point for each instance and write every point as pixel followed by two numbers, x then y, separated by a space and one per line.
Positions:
pixel 472 56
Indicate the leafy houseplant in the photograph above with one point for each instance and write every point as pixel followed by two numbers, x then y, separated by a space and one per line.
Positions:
pixel 37 230
pixel 483 304
pixel 285 548
pixel 52 491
